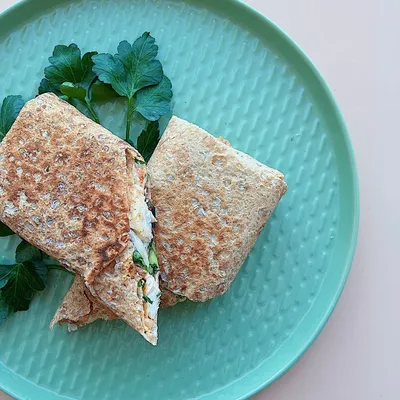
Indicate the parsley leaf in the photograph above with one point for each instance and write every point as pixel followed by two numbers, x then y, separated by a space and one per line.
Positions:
pixel 3 309
pixel 147 299
pixel 153 258
pixel 153 102
pixel 3 282
pixel 148 140
pixel 9 112
pixel 67 66
pixel 23 280
pixel 134 67
pixel 138 259
pixel 70 76
pixel 42 269
pixel 27 252
pixel 5 230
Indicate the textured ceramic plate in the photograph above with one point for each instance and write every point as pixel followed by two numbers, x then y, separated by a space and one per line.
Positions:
pixel 237 75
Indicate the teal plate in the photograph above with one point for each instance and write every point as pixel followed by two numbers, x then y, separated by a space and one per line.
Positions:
pixel 239 76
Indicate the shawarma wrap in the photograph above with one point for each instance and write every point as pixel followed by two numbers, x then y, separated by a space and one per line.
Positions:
pixel 212 202
pixel 78 192
pixel 80 308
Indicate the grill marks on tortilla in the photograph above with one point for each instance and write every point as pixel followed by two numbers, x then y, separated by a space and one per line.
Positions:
pixel 112 285
pixel 117 284
pixel 79 307
pixel 216 198
pixel 64 166
pixel 71 175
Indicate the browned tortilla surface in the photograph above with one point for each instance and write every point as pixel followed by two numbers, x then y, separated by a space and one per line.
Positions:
pixel 212 202
pixel 80 308
pixel 64 187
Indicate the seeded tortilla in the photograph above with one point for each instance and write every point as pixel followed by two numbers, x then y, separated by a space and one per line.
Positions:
pixel 80 308
pixel 212 202
pixel 65 187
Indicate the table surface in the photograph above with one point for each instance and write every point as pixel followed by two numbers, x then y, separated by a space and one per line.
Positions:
pixel 354 44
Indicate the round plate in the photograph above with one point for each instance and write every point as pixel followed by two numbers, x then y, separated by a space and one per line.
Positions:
pixel 238 76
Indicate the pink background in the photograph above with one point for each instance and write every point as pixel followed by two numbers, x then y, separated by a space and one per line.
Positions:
pixel 355 44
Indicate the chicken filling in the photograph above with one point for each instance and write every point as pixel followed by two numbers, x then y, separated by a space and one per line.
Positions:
pixel 141 235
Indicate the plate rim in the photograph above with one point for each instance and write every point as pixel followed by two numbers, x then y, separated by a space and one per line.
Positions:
pixel 252 12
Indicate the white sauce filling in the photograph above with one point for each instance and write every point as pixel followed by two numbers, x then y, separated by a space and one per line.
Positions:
pixel 141 216
pixel 140 246
pixel 141 234
pixel 152 291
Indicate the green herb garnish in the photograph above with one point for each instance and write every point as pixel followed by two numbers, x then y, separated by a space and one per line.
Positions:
pixel 147 299
pixel 152 268
pixel 138 161
pixel 20 281
pixel 5 230
pixel 141 283
pixel 10 109
pixel 133 72
pixel 153 101
pixel 71 77
pixel 132 69
pixel 27 252
pixel 153 258
pixel 138 259
pixel 4 309
pixel 148 140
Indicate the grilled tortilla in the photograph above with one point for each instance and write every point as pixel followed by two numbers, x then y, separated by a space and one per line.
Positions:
pixel 80 308
pixel 77 192
pixel 212 202
pixel 204 233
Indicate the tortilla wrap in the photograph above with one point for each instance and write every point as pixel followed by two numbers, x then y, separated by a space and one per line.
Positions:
pixel 212 202
pixel 80 308
pixel 71 188
pixel 204 234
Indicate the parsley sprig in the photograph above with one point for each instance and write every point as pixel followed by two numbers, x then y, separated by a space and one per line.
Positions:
pixel 133 73
pixel 9 111
pixel 70 76
pixel 21 280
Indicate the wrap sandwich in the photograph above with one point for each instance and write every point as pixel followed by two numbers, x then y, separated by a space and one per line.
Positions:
pixel 212 201
pixel 80 308
pixel 78 192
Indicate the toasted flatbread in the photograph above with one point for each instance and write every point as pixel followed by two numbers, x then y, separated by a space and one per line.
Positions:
pixel 80 308
pixel 68 187
pixel 212 202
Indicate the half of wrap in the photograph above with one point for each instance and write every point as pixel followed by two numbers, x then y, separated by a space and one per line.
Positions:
pixel 212 202
pixel 78 192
